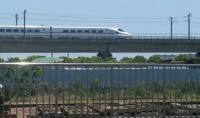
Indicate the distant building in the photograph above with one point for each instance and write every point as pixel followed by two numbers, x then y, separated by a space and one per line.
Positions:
pixel 172 58
pixel 167 58
pixel 192 56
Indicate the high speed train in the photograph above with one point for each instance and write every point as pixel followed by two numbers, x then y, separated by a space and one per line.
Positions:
pixel 62 32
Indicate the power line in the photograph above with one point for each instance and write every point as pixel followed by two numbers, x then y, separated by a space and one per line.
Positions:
pixel 99 20
pixel 195 22
pixel 84 19
pixel 98 17
pixel 138 19
pixel 106 22
pixel 196 17
pixel 4 13
pixel 152 19
pixel 6 17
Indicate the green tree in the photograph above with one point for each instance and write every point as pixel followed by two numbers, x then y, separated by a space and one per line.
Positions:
pixel 77 87
pixel 158 86
pixel 126 60
pixel 197 54
pixel 20 78
pixel 105 56
pixel 154 59
pixel 182 57
pixel 67 60
pixel 26 79
pixel 31 58
pixel 94 85
pixel 197 59
pixel 7 73
pixel 110 60
pixel 139 59
pixel 139 91
pixel 14 59
pixel 95 59
pixel 188 86
pixel 1 60
pixel 82 60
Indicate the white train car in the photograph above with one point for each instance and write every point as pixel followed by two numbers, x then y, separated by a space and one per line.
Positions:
pixel 18 31
pixel 62 32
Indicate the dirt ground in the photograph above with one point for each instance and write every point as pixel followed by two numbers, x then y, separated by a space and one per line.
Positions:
pixel 23 112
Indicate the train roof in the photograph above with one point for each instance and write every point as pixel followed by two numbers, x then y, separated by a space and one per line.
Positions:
pixel 9 26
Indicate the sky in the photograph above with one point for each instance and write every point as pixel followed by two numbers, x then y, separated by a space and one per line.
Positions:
pixel 141 17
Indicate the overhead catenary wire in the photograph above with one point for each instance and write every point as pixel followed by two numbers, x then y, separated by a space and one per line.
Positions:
pixel 195 17
pixel 104 19
pixel 194 23
pixel 6 13
pixel 73 19
pixel 6 17
pixel 115 19
pixel 36 16
pixel 91 17
pixel 97 21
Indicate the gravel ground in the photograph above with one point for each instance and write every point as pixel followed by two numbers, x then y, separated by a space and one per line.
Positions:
pixel 27 111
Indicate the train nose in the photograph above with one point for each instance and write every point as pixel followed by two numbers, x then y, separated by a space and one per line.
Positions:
pixel 127 34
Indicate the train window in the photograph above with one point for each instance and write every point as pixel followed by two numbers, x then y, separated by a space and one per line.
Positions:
pixel 87 31
pixel 36 31
pixel 121 30
pixel 29 31
pixel 2 30
pixel 80 31
pixel 73 31
pixel 94 31
pixel 65 31
pixel 8 30
pixel 100 31
pixel 22 30
pixel 15 30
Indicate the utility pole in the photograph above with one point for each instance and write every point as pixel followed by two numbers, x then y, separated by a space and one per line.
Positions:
pixel 171 27
pixel 24 23
pixel 16 19
pixel 189 22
